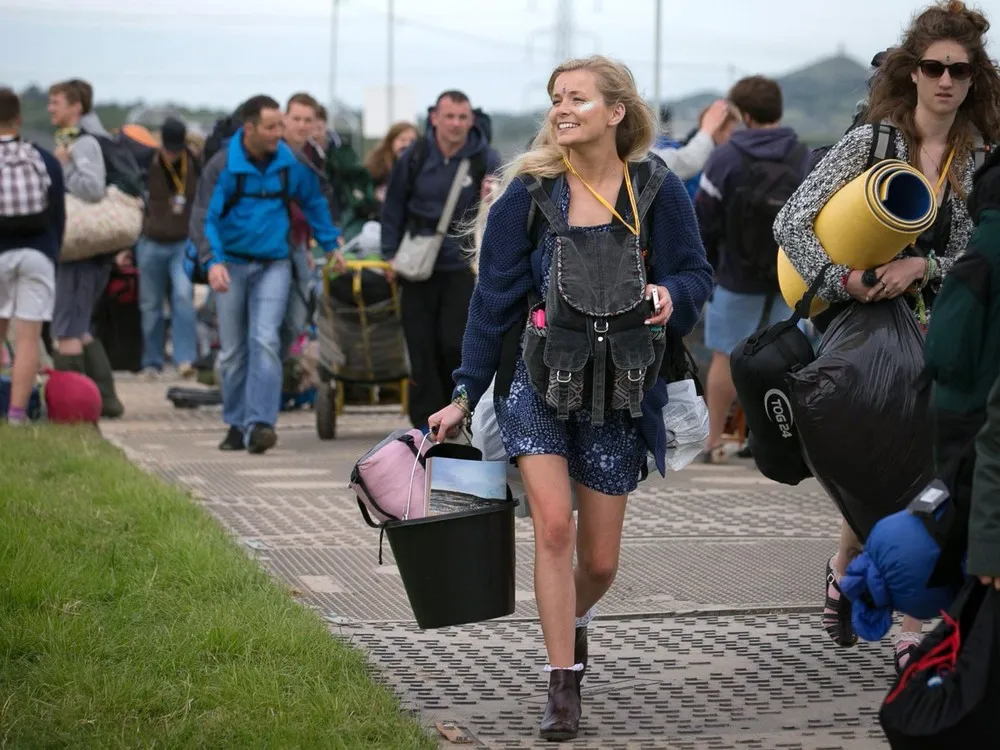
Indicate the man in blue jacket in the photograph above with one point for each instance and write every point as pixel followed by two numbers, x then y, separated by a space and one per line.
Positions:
pixel 435 311
pixel 246 252
pixel 32 221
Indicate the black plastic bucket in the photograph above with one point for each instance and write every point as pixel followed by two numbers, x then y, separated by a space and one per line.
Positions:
pixel 457 568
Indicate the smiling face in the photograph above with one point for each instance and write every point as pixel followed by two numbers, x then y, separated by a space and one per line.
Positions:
pixel 300 124
pixel 943 77
pixel 579 114
pixel 263 136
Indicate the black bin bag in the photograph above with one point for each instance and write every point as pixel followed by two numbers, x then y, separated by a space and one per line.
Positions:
pixel 863 424
pixel 760 366
pixel 949 694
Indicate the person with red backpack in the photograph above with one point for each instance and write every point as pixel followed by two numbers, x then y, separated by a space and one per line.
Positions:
pixel 32 220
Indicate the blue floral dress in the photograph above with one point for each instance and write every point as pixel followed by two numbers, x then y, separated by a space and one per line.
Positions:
pixel 606 459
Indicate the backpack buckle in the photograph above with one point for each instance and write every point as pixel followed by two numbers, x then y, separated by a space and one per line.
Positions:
pixel 598 324
pixel 564 377
pixel 640 374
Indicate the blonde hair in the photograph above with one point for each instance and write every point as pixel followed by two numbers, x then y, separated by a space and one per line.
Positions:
pixel 633 135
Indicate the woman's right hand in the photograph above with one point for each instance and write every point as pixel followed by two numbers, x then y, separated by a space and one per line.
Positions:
pixel 445 423
pixel 857 289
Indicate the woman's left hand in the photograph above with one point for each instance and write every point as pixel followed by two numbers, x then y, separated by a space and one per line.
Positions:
pixel 896 277
pixel 666 308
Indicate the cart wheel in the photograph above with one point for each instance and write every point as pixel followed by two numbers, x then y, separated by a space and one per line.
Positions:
pixel 326 412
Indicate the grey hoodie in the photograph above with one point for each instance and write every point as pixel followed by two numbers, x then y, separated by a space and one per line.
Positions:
pixel 86 176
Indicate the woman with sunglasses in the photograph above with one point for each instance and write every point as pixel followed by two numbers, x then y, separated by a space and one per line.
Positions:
pixel 941 92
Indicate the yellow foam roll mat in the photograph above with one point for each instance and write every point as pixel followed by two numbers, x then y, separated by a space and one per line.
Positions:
pixel 867 223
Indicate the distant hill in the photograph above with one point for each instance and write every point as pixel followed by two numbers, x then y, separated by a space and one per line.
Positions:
pixel 819 103
pixel 819 99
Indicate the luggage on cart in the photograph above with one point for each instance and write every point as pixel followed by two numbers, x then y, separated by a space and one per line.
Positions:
pixel 360 338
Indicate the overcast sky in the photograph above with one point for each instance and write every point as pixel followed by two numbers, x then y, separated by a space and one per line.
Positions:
pixel 218 52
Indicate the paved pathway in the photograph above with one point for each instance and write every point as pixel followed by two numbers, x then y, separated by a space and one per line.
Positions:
pixel 710 637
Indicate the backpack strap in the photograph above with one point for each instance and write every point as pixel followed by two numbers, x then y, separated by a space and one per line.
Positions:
pixel 536 223
pixel 418 157
pixel 883 144
pixel 647 179
pixel 239 192
pixel 980 152
pixel 541 199
pixel 236 196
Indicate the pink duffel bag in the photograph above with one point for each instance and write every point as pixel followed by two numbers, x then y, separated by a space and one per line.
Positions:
pixel 389 479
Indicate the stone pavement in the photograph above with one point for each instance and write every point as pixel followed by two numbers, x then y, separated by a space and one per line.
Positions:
pixel 710 637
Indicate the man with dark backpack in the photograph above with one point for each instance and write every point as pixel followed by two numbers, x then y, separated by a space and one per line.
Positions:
pixel 435 302
pixel 745 184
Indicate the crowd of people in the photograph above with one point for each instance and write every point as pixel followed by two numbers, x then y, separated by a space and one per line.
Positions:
pixel 564 282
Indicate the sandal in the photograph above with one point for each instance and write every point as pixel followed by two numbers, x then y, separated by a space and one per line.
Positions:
pixel 837 612
pixel 716 455
pixel 904 646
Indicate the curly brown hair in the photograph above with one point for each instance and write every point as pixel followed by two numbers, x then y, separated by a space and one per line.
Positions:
pixel 894 97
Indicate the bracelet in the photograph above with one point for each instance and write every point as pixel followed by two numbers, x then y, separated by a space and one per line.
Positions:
pixel 461 400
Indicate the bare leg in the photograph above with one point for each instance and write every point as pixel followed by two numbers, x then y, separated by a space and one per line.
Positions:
pixel 25 368
pixel 598 544
pixel 546 479
pixel 848 548
pixel 69 347
pixel 720 395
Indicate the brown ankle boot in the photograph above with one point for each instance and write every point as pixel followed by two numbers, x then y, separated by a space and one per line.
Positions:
pixel 561 720
pixel 580 653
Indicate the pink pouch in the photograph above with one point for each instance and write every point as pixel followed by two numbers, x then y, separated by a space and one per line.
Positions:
pixel 389 479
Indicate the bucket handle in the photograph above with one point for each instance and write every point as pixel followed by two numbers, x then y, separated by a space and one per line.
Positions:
pixel 413 472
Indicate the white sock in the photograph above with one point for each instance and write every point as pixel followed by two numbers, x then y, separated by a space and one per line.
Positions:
pixel 583 622
pixel 574 668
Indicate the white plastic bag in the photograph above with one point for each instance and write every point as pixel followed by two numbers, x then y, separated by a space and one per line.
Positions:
pixel 486 437
pixel 686 419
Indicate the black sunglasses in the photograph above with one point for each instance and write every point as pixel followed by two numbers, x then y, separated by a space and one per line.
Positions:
pixel 960 71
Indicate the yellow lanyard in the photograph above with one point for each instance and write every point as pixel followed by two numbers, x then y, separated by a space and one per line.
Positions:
pixel 181 181
pixel 628 188
pixel 944 174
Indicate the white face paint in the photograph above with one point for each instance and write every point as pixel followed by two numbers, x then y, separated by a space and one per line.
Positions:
pixel 587 106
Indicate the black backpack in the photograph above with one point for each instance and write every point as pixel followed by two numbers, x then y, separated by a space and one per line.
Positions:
pixel 224 129
pixel 120 164
pixel 765 188
pixel 594 350
pixel 678 363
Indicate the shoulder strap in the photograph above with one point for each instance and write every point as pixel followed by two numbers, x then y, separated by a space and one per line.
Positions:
pixel 980 152
pixel 418 158
pixel 883 143
pixel 237 194
pixel 535 223
pixel 477 170
pixel 283 175
pixel 649 177
pixel 541 199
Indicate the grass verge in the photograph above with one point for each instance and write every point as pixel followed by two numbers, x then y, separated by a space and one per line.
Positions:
pixel 129 619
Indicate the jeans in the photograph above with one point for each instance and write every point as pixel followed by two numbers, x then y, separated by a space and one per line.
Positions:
pixel 160 263
pixel 297 314
pixel 250 315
